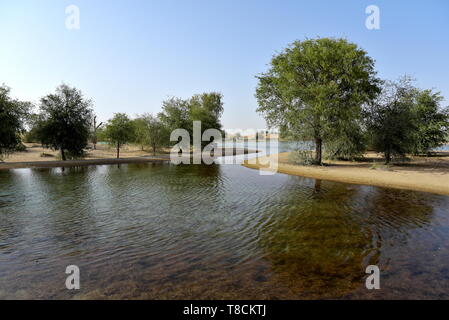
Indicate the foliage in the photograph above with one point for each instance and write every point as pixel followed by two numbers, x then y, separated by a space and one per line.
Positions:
pixel 175 114
pixel 180 114
pixel 119 131
pixel 432 122
pixel 64 121
pixel 12 116
pixel 301 157
pixel 349 145
pixel 314 89
pixel 150 131
pixel 391 121
pixel 20 147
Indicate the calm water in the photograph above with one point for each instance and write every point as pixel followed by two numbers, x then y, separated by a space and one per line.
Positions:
pixel 157 231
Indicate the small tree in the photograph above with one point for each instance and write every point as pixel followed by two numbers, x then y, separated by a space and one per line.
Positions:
pixel 65 121
pixel 159 135
pixel 180 114
pixel 140 132
pixel 12 116
pixel 150 131
pixel 119 131
pixel 391 121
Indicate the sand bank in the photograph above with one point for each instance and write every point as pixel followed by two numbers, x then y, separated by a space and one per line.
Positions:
pixel 428 174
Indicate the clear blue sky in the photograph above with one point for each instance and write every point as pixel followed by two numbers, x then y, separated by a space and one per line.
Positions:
pixel 128 56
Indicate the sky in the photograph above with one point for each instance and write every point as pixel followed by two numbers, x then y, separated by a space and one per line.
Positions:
pixel 129 56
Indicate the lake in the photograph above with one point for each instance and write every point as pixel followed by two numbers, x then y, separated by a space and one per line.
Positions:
pixel 159 231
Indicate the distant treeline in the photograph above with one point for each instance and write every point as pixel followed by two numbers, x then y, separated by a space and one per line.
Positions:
pixel 65 121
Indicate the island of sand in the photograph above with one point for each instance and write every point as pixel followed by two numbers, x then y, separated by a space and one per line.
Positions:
pixel 427 174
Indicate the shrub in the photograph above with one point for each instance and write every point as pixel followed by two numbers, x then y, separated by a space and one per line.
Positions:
pixel 302 157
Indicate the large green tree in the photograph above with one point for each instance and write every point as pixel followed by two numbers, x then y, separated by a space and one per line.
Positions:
pixel 65 120
pixel 13 114
pixel 119 131
pixel 315 88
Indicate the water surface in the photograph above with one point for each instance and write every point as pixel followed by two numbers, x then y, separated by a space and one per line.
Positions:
pixel 156 231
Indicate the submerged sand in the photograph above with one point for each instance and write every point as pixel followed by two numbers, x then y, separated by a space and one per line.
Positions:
pixel 428 174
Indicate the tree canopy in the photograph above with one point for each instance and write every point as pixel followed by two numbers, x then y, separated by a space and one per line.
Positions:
pixel 180 114
pixel 432 121
pixel 314 89
pixel 150 131
pixel 64 121
pixel 390 119
pixel 405 119
pixel 13 114
pixel 119 131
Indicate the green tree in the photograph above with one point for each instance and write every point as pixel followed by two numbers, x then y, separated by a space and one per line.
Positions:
pixel 432 121
pixel 119 131
pixel 207 108
pixel 349 144
pixel 34 124
pixel 13 114
pixel 315 88
pixel 180 114
pixel 175 114
pixel 152 132
pixel 65 121
pixel 141 132
pixel 391 121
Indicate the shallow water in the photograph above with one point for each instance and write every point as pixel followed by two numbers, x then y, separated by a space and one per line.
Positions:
pixel 156 231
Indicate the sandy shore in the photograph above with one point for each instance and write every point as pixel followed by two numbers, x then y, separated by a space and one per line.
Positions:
pixel 36 156
pixel 428 174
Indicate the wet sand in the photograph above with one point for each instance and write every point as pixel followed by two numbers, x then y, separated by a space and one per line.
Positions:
pixel 427 174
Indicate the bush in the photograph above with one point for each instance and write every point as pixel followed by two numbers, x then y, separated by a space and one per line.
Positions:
pixel 302 157
pixel 21 147
pixel 349 148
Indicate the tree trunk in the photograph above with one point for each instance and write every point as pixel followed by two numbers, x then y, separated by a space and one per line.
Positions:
pixel 63 155
pixel 118 150
pixel 387 157
pixel 318 150
pixel 154 149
